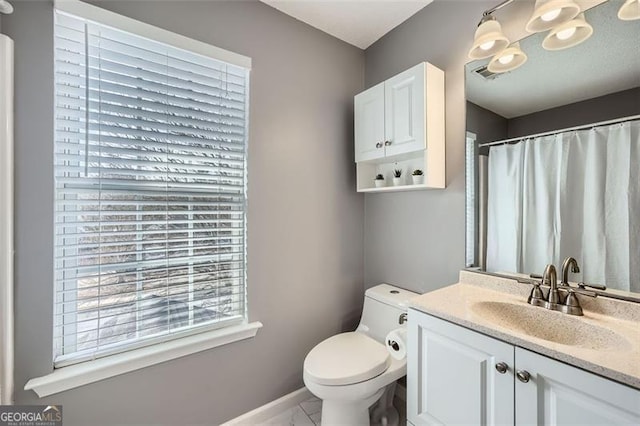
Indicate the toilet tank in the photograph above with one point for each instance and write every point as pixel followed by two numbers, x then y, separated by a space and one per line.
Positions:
pixel 383 305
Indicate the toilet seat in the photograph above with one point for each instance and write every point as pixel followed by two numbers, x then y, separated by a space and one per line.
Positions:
pixel 346 359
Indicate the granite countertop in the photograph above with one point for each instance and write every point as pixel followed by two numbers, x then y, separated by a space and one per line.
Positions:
pixel 607 337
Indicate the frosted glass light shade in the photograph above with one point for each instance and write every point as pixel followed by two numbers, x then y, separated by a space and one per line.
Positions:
pixel 568 34
pixel 550 13
pixel 508 60
pixel 630 10
pixel 488 39
pixel 6 7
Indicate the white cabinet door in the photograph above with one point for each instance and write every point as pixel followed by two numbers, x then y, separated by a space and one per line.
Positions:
pixel 452 377
pixel 405 111
pixel 369 123
pixel 559 394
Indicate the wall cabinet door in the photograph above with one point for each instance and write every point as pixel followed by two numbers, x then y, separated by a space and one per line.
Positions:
pixel 405 111
pixel 559 394
pixel 452 376
pixel 369 124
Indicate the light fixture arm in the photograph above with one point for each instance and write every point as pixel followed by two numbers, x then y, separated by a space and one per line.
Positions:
pixel 498 7
pixel 487 14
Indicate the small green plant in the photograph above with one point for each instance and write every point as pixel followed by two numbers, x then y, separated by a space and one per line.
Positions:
pixel 397 173
pixel 379 177
pixel 417 172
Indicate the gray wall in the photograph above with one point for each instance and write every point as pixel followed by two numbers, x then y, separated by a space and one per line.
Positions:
pixel 305 218
pixel 487 125
pixel 602 108
pixel 416 239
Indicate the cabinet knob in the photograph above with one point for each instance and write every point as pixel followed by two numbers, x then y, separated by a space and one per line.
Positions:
pixel 523 375
pixel 387 143
pixel 379 145
pixel 502 367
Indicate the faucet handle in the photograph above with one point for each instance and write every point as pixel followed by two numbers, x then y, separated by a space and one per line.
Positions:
pixel 580 291
pixel 577 290
pixel 596 286
pixel 571 304
pixel 536 297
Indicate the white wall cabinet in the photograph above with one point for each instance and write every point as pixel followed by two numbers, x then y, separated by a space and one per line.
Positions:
pixel 399 124
pixel 405 110
pixel 369 124
pixel 458 376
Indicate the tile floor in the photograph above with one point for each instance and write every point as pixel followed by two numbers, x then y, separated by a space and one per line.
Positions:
pixel 307 413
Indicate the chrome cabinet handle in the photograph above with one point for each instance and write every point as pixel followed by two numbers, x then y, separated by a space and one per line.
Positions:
pixel 379 145
pixel 502 367
pixel 387 143
pixel 523 375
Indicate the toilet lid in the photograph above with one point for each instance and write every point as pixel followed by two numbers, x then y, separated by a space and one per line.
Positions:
pixel 345 359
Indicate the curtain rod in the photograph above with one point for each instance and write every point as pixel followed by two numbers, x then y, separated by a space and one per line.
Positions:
pixel 569 129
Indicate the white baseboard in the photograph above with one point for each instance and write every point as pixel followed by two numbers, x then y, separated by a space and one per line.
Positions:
pixel 271 409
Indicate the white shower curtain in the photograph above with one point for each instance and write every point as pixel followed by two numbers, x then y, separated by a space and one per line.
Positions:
pixel 6 220
pixel 569 194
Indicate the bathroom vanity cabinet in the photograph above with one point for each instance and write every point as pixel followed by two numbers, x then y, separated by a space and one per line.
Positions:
pixel 459 376
pixel 399 124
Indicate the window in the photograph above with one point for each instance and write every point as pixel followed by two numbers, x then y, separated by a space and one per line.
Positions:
pixel 150 181
pixel 470 199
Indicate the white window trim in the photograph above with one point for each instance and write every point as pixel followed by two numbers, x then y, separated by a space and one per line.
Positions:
pixel 81 374
pixel 6 221
pixel 76 375
pixel 114 20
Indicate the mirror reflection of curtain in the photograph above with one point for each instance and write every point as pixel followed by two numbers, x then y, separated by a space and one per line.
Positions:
pixel 568 194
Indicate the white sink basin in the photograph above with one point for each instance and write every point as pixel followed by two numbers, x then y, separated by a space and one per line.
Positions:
pixel 551 326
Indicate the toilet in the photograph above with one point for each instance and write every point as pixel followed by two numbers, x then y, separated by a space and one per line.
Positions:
pixel 353 373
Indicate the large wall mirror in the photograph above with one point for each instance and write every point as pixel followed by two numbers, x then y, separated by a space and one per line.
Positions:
pixel 553 157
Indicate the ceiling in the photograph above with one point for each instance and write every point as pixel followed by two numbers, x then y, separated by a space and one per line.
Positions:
pixel 358 22
pixel 608 62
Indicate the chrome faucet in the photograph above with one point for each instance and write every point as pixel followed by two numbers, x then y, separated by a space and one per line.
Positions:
pixel 554 300
pixel 550 278
pixel 569 262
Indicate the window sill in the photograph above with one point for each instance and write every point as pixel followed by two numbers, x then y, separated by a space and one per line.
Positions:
pixel 73 376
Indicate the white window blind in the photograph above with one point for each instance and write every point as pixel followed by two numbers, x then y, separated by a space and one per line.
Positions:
pixel 150 175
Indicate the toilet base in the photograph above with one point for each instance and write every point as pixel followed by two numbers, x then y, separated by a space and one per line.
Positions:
pixel 383 413
pixel 356 404
pixel 348 413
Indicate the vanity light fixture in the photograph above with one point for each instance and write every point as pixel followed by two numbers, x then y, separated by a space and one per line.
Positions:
pixel 548 14
pixel 568 34
pixel 509 59
pixel 488 39
pixel 6 7
pixel 630 10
